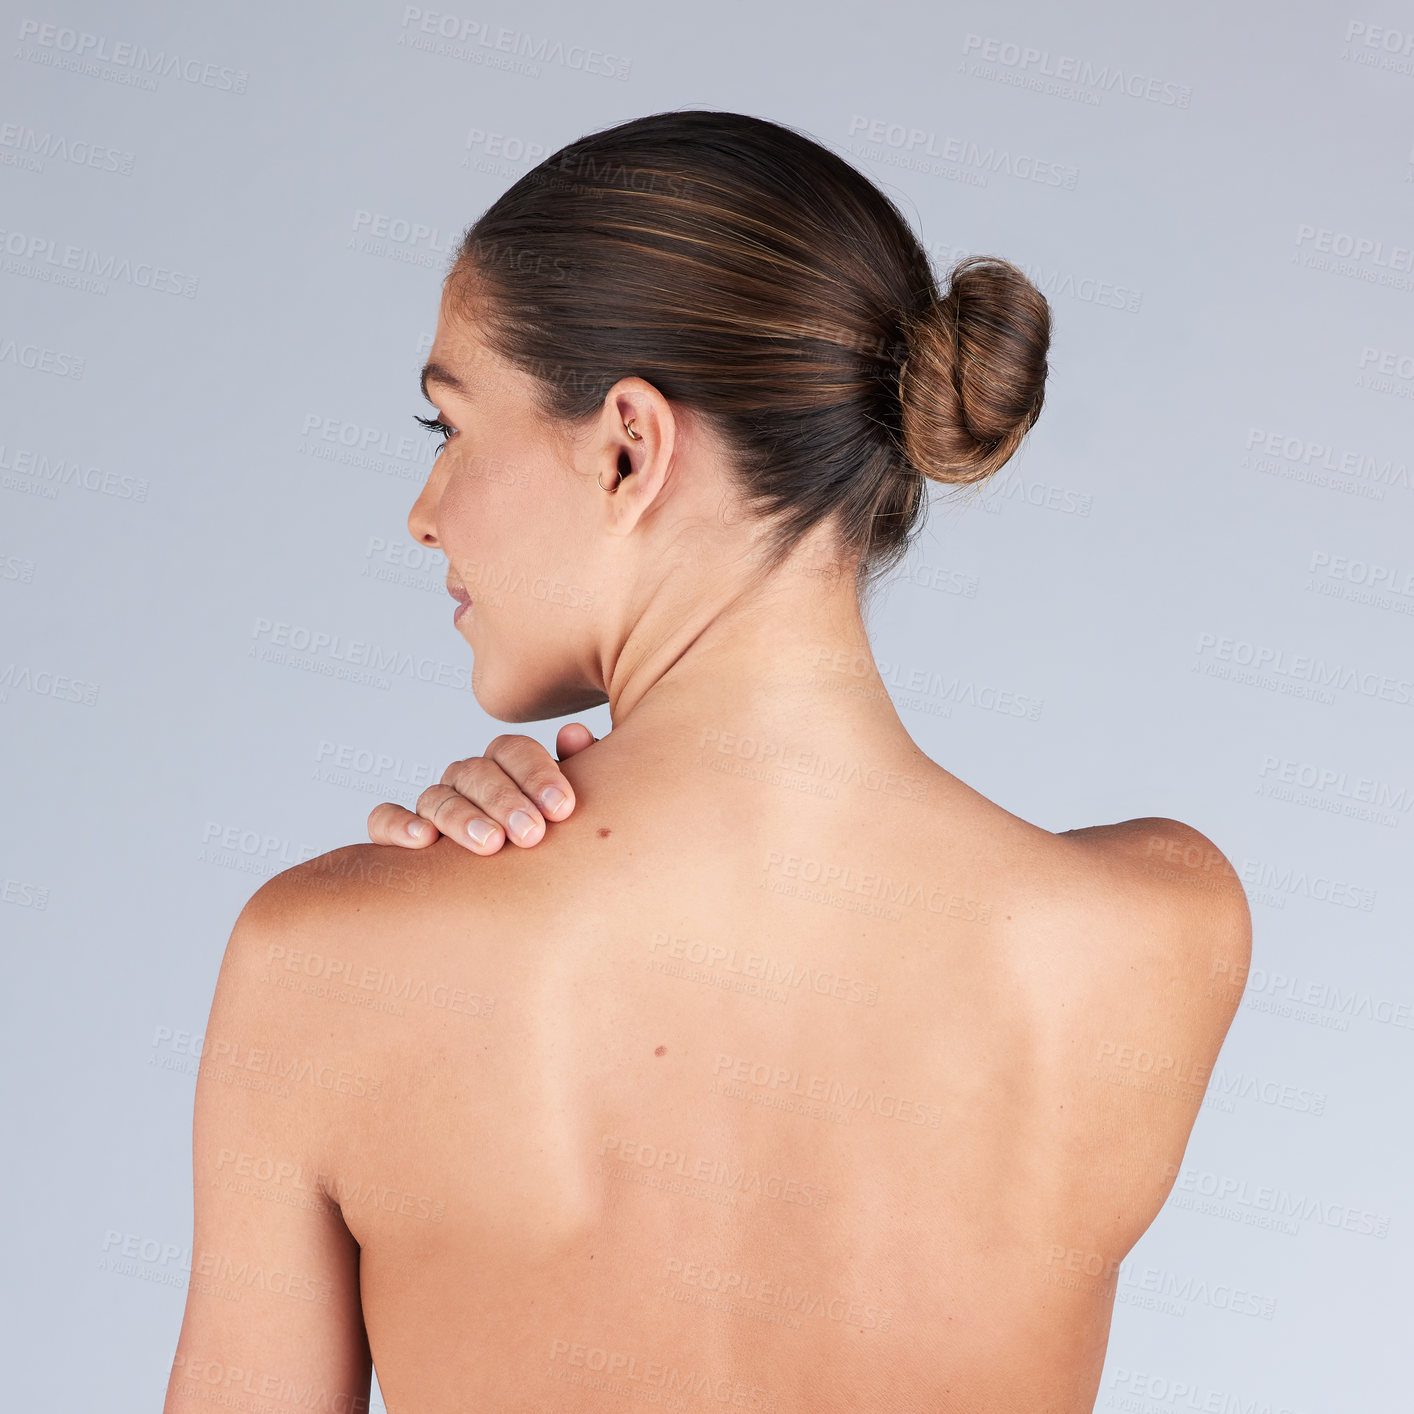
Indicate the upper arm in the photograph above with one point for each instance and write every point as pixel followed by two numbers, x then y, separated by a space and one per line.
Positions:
pixel 1164 976
pixel 1197 890
pixel 273 1317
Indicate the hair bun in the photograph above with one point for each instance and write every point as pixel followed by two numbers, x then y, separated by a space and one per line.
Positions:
pixel 975 377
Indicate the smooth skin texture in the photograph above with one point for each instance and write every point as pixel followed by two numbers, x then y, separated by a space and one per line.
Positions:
pixel 786 1072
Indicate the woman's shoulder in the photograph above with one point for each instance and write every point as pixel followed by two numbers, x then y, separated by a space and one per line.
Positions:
pixel 364 878
pixel 1174 867
pixel 1128 960
pixel 328 922
pixel 350 953
pixel 1154 924
pixel 369 909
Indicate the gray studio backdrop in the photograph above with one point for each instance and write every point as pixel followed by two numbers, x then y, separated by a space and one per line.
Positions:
pixel 222 240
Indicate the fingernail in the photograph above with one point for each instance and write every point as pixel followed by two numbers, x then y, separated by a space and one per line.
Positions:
pixel 480 831
pixel 552 797
pixel 416 829
pixel 520 824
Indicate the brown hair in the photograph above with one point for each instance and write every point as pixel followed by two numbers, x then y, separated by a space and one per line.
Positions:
pixel 756 278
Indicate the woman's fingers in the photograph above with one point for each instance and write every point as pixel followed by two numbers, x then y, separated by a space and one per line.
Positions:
pixel 530 767
pixel 509 793
pixel 463 810
pixel 391 824
pixel 571 739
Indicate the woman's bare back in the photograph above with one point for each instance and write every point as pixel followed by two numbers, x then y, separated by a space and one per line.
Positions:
pixel 734 1094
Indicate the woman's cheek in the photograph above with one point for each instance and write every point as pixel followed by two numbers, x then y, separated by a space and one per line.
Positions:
pixel 460 506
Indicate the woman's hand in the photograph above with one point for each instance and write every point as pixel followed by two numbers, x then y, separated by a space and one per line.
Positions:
pixel 481 802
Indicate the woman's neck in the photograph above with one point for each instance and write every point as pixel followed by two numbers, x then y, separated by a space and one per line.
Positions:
pixel 787 661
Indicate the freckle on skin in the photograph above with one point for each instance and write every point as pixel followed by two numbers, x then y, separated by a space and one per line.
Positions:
pixel 603 832
pixel 661 1051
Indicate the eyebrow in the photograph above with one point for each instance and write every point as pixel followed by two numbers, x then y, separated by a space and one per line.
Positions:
pixel 436 373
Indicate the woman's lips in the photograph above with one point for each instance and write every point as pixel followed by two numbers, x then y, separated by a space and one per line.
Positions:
pixel 463 600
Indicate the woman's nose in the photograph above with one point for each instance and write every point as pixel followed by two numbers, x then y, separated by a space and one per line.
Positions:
pixel 422 519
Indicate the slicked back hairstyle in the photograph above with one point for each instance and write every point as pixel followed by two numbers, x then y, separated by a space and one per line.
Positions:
pixel 758 279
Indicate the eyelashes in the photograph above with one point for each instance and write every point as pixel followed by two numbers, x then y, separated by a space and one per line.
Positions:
pixel 435 424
